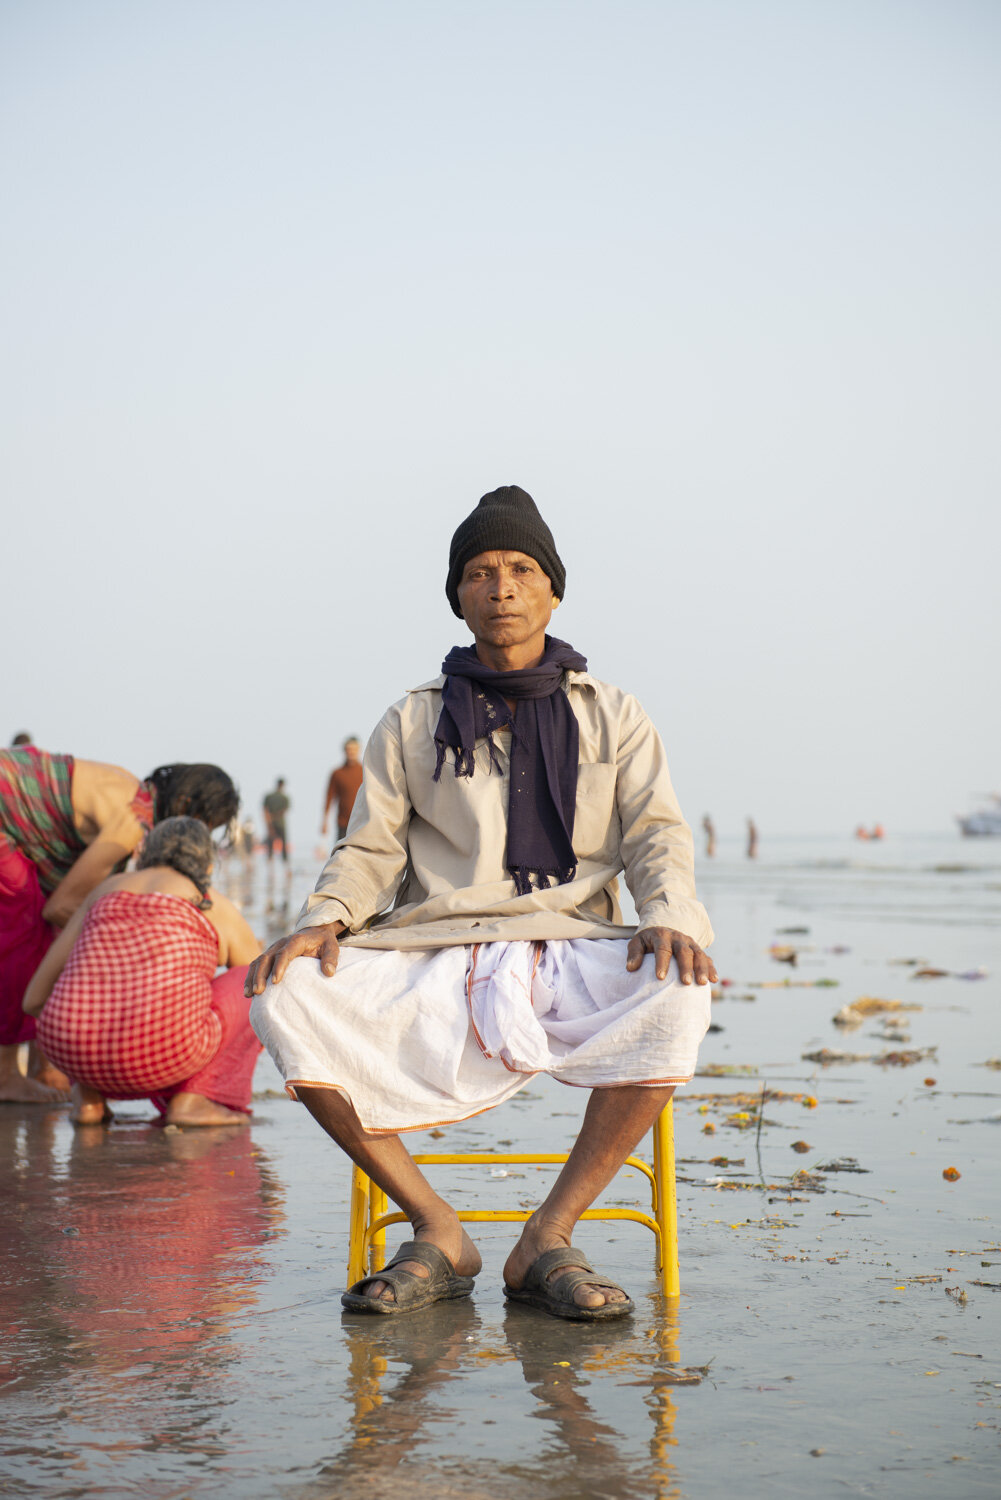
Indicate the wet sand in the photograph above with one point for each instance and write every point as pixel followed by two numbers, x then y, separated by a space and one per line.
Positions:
pixel 171 1318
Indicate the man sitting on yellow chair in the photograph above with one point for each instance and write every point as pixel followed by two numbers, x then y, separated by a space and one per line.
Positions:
pixel 466 933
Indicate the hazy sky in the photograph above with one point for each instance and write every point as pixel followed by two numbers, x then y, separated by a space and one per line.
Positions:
pixel 288 284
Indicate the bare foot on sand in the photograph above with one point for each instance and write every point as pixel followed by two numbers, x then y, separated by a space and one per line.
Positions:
pixel 537 1237
pixel 89 1107
pixel 447 1233
pixel 16 1089
pixel 196 1109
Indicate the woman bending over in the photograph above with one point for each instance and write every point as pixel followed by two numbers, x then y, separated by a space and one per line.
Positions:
pixel 66 825
pixel 126 999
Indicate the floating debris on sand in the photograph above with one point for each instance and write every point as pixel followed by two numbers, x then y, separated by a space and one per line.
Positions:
pixel 857 1011
pixel 828 1056
pixel 795 984
pixel 906 1057
pixel 727 1070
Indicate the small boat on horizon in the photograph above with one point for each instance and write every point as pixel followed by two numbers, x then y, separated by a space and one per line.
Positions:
pixel 985 822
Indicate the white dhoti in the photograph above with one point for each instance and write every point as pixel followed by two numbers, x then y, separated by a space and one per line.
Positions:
pixel 431 1036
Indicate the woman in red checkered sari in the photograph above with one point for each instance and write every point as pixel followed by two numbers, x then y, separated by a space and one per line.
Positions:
pixel 127 999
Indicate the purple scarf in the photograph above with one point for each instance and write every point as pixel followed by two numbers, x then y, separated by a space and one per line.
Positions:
pixel 544 752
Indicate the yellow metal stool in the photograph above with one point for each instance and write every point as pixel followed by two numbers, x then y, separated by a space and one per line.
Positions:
pixel 369 1204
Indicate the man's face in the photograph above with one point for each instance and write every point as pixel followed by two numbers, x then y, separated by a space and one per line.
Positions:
pixel 352 752
pixel 505 598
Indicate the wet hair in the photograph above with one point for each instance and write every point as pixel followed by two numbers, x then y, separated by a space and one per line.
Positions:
pixel 184 845
pixel 197 791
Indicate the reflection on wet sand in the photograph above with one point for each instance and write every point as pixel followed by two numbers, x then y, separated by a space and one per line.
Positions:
pixel 398 1413
pixel 126 1258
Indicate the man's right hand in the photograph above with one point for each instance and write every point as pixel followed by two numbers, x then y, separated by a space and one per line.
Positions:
pixel 312 942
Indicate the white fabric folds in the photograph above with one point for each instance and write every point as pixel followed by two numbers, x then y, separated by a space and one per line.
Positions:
pixel 429 1036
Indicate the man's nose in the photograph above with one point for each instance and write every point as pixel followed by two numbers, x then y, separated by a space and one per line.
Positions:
pixel 503 586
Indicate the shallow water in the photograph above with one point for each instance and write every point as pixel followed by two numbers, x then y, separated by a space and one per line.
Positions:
pixel 170 1301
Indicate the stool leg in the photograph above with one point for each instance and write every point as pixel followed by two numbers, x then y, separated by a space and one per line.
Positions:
pixel 358 1223
pixel 667 1201
pixel 378 1205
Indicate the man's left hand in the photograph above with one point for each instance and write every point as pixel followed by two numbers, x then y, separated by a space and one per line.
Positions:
pixel 664 943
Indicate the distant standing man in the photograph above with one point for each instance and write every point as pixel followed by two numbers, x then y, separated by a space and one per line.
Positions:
pixel 276 805
pixel 709 829
pixel 752 839
pixel 343 787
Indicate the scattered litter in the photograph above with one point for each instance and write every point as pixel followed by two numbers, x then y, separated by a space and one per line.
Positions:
pixel 928 973
pixel 891 1034
pixel 842 1164
pixel 992 1062
pixel 810 1182
pixel 827 1056
pixel 801 1146
pixel 930 1083
pixel 995 1286
pixel 855 1013
pixel 709 1128
pixel 783 953
pixel 905 1058
pixel 726 1161
pixel 692 1375
pixel 962 1354
pixel 714 1026
pixel 727 1070
pixel 793 931
pixel 796 984
pixel 952 1174
pixel 801 1182
pixel 754 1101
pixel 958 1294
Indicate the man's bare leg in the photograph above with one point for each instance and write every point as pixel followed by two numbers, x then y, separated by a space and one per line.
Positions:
pixel 615 1122
pixel 15 1088
pixel 389 1164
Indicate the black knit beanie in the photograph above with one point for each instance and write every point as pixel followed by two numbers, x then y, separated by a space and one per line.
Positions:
pixel 506 520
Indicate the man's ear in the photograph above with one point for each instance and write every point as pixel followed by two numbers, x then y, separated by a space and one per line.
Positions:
pixel 556 602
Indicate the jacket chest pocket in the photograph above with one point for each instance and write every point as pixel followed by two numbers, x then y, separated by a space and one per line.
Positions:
pixel 596 820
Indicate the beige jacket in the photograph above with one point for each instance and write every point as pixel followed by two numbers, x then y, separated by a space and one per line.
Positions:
pixel 434 850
